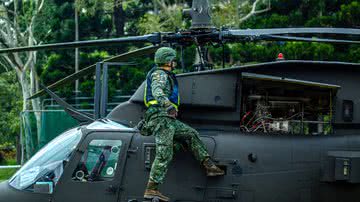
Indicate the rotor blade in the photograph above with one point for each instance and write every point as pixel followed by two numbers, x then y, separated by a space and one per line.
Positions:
pixel 258 32
pixel 152 38
pixel 81 117
pixel 292 38
pixel 88 70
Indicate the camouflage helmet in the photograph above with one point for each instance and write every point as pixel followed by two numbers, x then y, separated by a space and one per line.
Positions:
pixel 164 55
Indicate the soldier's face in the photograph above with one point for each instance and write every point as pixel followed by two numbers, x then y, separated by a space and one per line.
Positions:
pixel 173 64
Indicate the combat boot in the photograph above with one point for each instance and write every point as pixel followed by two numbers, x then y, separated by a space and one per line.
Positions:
pixel 211 169
pixel 153 192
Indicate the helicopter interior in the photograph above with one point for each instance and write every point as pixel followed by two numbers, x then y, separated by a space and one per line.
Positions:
pixel 99 162
pixel 275 104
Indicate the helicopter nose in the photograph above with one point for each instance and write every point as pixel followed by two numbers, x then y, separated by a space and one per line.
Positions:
pixel 3 190
pixel 10 194
pixel 2 186
pixel 7 192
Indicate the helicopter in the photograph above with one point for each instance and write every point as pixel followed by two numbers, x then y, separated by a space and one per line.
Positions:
pixel 285 130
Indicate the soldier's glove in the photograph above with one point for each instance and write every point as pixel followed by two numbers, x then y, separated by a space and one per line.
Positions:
pixel 172 111
pixel 141 126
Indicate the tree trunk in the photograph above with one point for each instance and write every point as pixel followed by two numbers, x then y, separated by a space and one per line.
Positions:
pixel 76 55
pixel 16 34
pixel 35 102
pixel 119 18
pixel 25 88
pixel 156 7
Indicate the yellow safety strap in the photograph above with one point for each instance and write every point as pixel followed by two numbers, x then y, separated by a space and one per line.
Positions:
pixel 155 102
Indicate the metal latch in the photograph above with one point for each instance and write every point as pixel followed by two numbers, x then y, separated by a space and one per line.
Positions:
pixel 132 151
pixel 149 156
pixel 342 168
pixel 346 167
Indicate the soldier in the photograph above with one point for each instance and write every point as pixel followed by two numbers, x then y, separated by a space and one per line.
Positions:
pixel 162 99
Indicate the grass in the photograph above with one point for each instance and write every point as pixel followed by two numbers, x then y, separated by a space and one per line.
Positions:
pixel 5 174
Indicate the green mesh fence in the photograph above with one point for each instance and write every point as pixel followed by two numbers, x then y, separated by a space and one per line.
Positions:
pixel 52 124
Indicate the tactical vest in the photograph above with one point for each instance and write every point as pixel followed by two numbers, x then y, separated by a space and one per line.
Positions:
pixel 174 98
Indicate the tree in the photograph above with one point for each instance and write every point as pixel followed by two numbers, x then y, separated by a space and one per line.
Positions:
pixel 167 18
pixel 10 107
pixel 229 13
pixel 17 19
pixel 113 7
pixel 232 13
pixel 349 14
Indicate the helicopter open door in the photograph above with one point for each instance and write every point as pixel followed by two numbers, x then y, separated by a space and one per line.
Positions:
pixel 96 170
pixel 273 104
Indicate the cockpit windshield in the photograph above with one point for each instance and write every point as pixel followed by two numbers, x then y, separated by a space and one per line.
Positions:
pixel 46 166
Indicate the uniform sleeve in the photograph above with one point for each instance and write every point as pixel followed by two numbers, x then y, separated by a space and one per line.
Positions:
pixel 159 81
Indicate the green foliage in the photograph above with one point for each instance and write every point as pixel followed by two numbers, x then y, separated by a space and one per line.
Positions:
pixel 87 59
pixel 127 77
pixel 349 14
pixel 309 13
pixel 10 107
pixel 90 7
pixel 225 14
pixel 59 66
pixel 7 154
pixel 308 51
pixel 150 23
pixel 354 54
pixel 169 19
pixel 7 157
pixel 55 69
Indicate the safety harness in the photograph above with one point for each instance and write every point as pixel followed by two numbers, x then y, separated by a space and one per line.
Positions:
pixel 174 98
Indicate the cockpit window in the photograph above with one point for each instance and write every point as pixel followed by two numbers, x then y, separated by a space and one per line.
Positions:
pixel 99 162
pixel 46 167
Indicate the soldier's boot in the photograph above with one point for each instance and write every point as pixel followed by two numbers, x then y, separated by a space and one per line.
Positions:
pixel 211 169
pixel 152 191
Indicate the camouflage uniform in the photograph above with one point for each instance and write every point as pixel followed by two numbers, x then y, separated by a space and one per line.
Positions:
pixel 169 132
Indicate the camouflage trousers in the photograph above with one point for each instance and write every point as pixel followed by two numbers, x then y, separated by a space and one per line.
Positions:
pixel 169 135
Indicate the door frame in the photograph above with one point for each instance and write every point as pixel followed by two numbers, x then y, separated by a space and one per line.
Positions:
pixel 66 187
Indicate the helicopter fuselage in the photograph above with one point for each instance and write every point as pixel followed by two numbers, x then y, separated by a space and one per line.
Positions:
pixel 258 168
